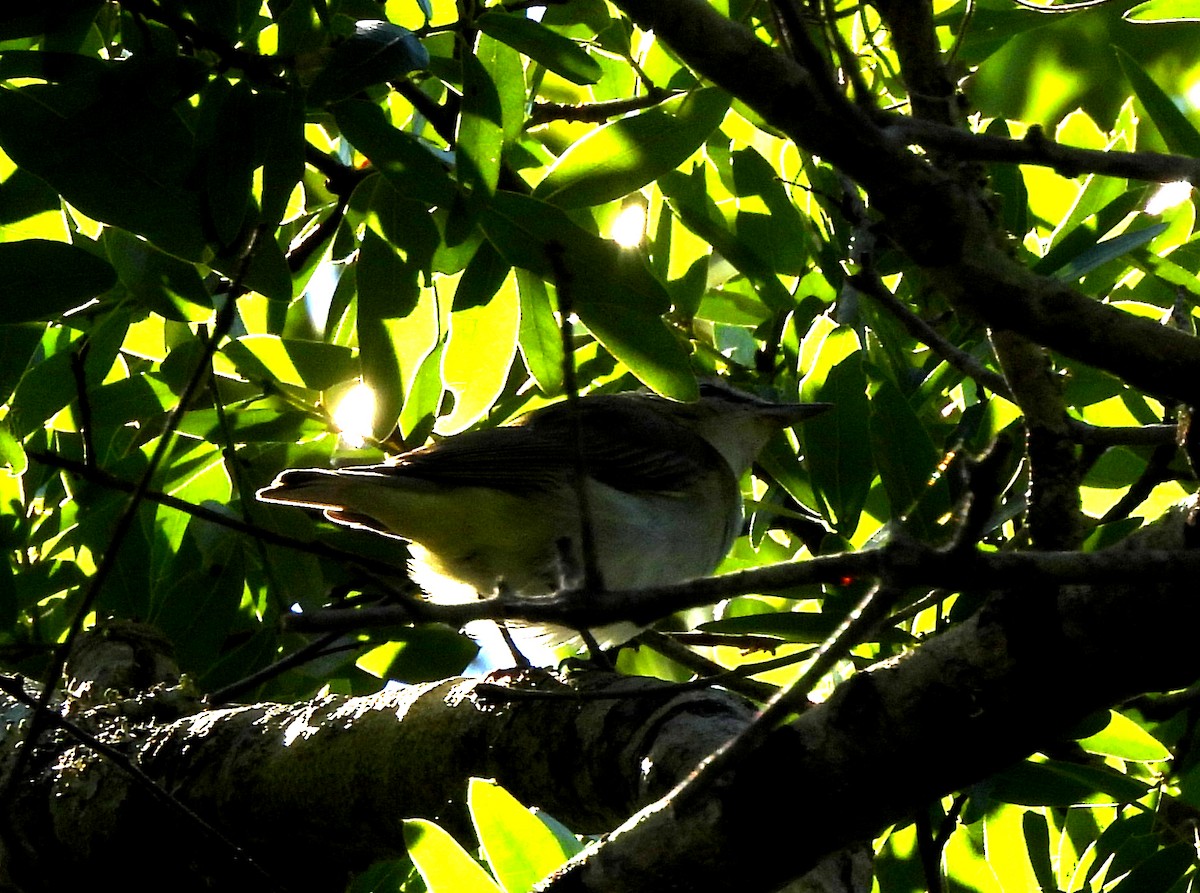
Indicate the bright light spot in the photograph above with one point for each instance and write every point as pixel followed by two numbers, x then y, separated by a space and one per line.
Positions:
pixel 354 415
pixel 629 228
pixel 1168 195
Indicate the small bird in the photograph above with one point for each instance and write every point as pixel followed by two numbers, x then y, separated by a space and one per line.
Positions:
pixel 501 506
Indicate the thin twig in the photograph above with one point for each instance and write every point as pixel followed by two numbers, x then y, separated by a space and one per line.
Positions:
pixel 595 112
pixel 925 333
pixel 856 628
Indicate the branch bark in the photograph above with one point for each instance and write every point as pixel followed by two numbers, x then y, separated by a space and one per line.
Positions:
pixel 334 778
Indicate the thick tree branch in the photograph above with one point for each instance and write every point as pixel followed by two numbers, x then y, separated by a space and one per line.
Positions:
pixel 1055 518
pixel 335 777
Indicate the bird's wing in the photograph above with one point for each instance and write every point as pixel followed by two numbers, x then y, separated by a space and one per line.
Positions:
pixel 629 447
pixel 623 446
pixel 514 458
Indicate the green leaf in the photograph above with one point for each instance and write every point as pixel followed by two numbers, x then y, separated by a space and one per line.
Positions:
pixel 808 627
pixel 42 280
pixel 906 458
pixel 1173 11
pixel 1126 740
pixel 159 282
pixel 482 342
pixel 12 455
pixel 308 364
pixel 141 397
pixel 394 334
pixel 279 135
pixel 837 443
pixel 480 129
pixel 626 154
pixel 1160 871
pixel 613 292
pixel 689 198
pixel 226 145
pixel 518 846
pixel 267 272
pixel 113 151
pixel 539 339
pixel 43 390
pixel 1009 185
pixel 1177 132
pixel 1106 250
pixel 444 865
pixel 559 54
pixel 1004 846
pixel 1057 783
pixel 408 165
pixel 1036 833
pixel 419 654
pixel 377 52
pixel 252 425
pixel 503 65
pixel 1072 241
pixel 779 236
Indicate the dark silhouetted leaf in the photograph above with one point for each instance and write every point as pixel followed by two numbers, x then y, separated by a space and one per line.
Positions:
pixel 43 280
pixel 377 52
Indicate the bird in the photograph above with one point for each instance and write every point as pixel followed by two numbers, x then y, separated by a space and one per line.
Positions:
pixel 501 506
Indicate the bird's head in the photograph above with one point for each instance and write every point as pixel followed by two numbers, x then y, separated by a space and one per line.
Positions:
pixel 736 423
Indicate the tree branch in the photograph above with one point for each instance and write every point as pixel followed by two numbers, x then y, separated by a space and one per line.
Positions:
pixel 908 564
pixel 1037 148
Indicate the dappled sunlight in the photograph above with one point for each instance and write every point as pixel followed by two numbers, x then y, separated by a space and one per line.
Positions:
pixel 354 415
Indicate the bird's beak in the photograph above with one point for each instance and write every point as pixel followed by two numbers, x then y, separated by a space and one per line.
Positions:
pixel 788 414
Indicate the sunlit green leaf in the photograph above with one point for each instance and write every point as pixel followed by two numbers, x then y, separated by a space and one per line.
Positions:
pixel 1164 11
pixel 540 340
pixel 1126 740
pixel 1177 131
pixel 481 129
pixel 444 865
pixel 481 345
pixel 614 293
pixel 560 54
pixel 518 846
pixel 309 364
pixel 626 154
pixel 689 199
pixel 1107 250
pixel 837 442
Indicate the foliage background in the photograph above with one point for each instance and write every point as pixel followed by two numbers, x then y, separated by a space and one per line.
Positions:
pixel 216 218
